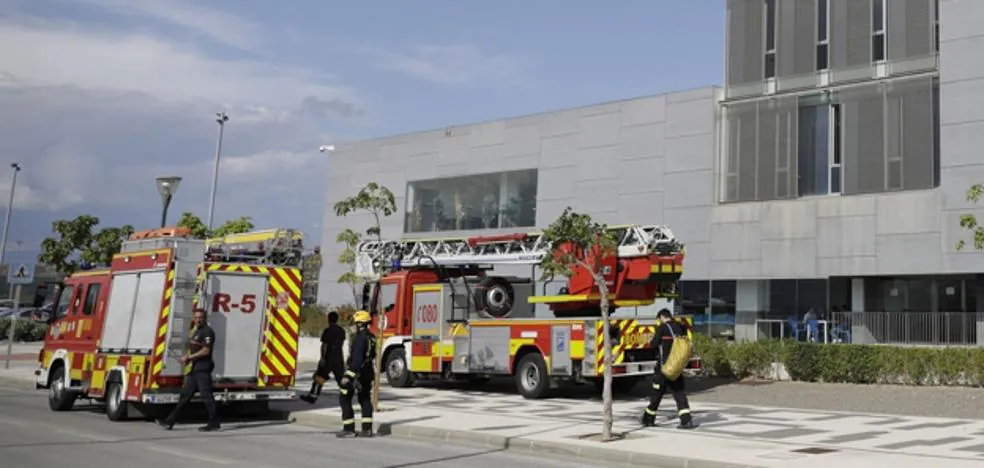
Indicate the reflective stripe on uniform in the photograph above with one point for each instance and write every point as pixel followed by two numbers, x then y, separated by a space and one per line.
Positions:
pixel 348 421
pixel 650 412
pixel 366 420
pixel 343 391
pixel 684 411
pixel 655 386
pixel 350 373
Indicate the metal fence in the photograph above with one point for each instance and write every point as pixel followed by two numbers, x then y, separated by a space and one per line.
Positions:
pixel 914 328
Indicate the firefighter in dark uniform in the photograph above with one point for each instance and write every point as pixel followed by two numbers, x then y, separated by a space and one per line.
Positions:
pixel 332 362
pixel 359 376
pixel 667 331
pixel 200 377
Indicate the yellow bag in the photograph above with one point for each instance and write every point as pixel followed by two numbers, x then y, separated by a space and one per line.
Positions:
pixel 680 353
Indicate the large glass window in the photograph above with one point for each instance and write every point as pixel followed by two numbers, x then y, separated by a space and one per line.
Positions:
pixel 823 42
pixel 819 152
pixel 481 201
pixel 877 30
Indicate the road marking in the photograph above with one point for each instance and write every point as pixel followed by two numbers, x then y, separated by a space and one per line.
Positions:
pixel 184 453
pixel 88 435
pixel 13 422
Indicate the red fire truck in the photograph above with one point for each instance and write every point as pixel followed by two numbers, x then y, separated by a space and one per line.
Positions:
pixel 445 315
pixel 115 334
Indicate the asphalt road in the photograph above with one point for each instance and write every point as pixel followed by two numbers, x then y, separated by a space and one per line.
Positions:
pixel 31 435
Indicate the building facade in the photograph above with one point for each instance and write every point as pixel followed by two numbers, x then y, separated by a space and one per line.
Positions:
pixel 828 172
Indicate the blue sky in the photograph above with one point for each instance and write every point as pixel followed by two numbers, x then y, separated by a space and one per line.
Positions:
pixel 101 96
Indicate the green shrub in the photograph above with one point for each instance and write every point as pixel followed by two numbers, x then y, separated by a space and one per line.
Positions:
pixel 27 330
pixel 846 363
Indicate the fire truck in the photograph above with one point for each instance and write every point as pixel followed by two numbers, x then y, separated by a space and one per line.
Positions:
pixel 115 334
pixel 445 315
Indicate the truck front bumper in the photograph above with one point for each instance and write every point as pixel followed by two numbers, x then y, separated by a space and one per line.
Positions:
pixel 166 397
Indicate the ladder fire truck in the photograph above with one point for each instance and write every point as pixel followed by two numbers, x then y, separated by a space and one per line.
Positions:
pixel 115 334
pixel 444 315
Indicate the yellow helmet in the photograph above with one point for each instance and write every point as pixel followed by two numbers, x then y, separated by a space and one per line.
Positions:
pixel 361 316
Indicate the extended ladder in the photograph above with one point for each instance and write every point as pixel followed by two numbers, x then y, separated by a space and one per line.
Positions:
pixel 373 258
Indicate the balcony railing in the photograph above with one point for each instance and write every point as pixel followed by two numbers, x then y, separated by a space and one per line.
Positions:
pixel 897 328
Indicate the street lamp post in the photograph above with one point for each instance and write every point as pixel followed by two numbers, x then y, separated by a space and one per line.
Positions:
pixel 221 118
pixel 10 209
pixel 167 186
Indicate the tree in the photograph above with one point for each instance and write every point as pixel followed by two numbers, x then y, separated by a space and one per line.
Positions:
pixel 378 201
pixel 200 231
pixel 351 240
pixel 578 241
pixel 76 243
pixel 234 226
pixel 968 221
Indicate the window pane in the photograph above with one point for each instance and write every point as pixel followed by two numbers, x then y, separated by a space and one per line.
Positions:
pixel 813 150
pixel 837 133
pixel 770 24
pixel 835 179
pixel 877 15
pixel 822 59
pixel 770 65
pixel 91 298
pixel 64 300
pixel 878 47
pixel 822 20
pixel 721 322
pixel 481 201
pixel 695 301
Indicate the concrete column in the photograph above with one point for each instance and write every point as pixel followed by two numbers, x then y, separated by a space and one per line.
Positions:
pixel 751 298
pixel 859 327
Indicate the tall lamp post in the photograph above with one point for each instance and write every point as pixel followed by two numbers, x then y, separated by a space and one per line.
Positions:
pixel 10 209
pixel 167 186
pixel 221 118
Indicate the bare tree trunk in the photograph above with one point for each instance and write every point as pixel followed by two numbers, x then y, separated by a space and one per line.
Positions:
pixel 606 392
pixel 378 365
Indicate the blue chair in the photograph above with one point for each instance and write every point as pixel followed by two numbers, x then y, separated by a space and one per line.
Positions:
pixel 795 327
pixel 842 333
pixel 812 330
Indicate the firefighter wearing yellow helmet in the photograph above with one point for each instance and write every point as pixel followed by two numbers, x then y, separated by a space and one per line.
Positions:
pixel 358 378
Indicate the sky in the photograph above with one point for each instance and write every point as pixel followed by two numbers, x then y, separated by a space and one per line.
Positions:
pixel 99 97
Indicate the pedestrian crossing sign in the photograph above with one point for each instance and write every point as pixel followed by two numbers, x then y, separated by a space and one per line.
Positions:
pixel 20 273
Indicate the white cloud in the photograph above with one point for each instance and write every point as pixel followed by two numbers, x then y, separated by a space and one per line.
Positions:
pixel 449 64
pixel 215 24
pixel 95 115
pixel 67 54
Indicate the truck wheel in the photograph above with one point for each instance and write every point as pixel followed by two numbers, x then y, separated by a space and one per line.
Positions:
pixel 495 296
pixel 59 397
pixel 532 379
pixel 116 407
pixel 397 371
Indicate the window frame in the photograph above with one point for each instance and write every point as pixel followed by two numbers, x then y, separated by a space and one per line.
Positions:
pixel 514 207
pixel 770 31
pixel 835 149
pixel 822 35
pixel 879 33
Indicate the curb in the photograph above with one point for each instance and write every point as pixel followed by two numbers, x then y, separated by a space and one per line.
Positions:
pixel 515 444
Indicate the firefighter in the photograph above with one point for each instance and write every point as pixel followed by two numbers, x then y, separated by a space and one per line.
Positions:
pixel 200 377
pixel 358 377
pixel 667 331
pixel 332 362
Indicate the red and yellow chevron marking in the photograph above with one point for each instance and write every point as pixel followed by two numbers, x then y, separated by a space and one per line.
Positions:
pixel 160 342
pixel 633 336
pixel 278 360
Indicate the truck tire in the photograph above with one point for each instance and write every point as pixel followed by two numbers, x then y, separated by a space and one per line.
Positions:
pixel 532 379
pixel 398 373
pixel 116 406
pixel 494 296
pixel 59 397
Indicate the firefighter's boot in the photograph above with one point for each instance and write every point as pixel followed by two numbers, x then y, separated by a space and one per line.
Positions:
pixel 366 429
pixel 345 434
pixel 686 420
pixel 648 418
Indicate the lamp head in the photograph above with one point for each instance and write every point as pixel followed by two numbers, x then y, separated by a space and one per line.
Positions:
pixel 168 185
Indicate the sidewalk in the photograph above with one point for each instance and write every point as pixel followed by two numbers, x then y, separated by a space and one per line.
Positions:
pixel 728 436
